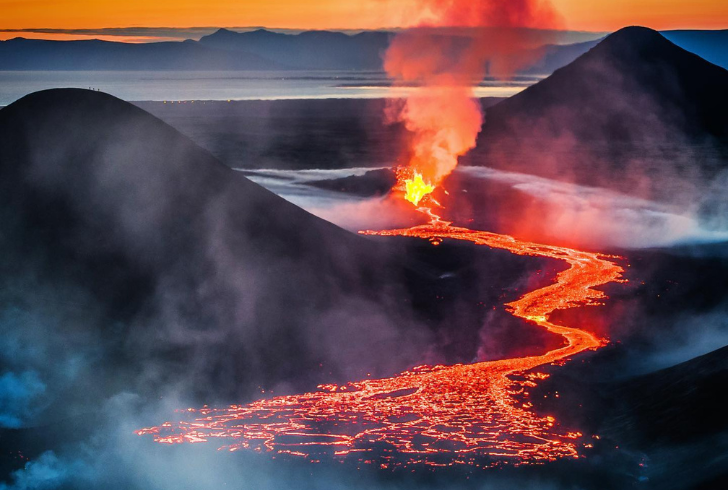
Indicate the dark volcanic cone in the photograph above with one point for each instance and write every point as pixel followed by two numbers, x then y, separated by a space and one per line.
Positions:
pixel 635 104
pixel 183 259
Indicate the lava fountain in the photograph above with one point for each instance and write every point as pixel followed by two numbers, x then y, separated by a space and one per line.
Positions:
pixel 431 415
pixel 452 46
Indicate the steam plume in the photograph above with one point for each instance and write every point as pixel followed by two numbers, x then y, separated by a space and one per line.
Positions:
pixel 456 45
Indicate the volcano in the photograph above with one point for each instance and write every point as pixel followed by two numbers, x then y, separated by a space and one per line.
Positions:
pixel 166 269
pixel 619 91
pixel 634 102
pixel 138 270
pixel 135 262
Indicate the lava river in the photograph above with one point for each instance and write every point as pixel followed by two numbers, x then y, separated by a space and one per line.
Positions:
pixel 476 414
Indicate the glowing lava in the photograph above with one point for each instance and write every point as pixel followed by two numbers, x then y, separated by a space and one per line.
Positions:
pixel 433 415
pixel 416 189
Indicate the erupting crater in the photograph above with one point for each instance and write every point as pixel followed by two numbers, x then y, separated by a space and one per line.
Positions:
pixel 431 415
pixel 475 414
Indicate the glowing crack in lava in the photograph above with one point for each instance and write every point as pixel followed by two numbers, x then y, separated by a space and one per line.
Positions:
pixel 433 415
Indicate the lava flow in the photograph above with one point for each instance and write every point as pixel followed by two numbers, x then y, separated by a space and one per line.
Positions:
pixel 433 415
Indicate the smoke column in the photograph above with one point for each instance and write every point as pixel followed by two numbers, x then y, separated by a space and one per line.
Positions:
pixel 456 45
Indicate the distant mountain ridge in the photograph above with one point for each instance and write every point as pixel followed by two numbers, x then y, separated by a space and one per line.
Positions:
pixel 33 54
pixel 268 50
pixel 554 56
pixel 318 50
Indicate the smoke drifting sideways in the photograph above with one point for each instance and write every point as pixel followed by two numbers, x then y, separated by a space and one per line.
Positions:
pixel 455 46
pixel 594 217
pixel 524 205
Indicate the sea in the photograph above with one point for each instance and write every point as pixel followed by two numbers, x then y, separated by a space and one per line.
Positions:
pixel 229 85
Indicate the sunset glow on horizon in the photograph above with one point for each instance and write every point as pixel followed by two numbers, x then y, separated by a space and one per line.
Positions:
pixel 594 15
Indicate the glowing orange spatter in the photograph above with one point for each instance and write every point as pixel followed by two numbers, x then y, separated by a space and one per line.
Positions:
pixel 416 189
pixel 433 415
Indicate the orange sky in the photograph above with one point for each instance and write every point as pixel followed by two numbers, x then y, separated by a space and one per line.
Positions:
pixel 593 15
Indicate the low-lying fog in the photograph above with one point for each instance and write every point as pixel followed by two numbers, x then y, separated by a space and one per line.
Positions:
pixel 539 208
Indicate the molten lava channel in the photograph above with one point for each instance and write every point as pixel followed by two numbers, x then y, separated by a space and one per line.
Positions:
pixel 475 414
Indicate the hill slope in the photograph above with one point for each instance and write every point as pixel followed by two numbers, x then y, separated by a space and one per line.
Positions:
pixel 153 263
pixel 677 416
pixel 634 73
pixel 634 98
